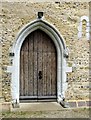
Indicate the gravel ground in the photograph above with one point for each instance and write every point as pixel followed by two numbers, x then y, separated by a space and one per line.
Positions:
pixel 64 113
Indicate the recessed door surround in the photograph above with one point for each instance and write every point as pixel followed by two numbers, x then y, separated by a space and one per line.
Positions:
pixel 44 63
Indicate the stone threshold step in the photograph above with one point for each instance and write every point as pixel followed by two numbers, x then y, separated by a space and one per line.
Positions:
pixel 38 106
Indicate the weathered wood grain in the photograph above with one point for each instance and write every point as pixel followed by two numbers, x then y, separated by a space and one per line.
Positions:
pixel 38 54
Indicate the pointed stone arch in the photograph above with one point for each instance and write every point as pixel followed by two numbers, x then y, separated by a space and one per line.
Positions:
pixel 60 45
pixel 84 18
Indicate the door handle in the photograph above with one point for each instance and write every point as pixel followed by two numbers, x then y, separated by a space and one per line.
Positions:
pixel 40 75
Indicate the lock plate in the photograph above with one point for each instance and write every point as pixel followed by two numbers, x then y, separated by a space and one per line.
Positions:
pixel 40 75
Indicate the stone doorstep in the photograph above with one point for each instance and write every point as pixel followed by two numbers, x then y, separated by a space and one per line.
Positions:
pixel 7 106
pixel 38 106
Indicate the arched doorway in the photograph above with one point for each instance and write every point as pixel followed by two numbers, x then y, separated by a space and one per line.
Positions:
pixel 38 67
pixel 60 46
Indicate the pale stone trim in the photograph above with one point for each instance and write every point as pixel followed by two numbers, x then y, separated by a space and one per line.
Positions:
pixel 61 60
pixel 9 69
pixel 87 27
pixel 68 69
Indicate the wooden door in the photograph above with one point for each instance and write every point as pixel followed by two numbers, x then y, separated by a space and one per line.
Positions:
pixel 38 72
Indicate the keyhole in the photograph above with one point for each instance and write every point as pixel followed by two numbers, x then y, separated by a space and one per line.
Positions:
pixel 40 74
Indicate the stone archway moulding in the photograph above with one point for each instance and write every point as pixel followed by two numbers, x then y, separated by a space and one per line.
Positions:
pixel 61 59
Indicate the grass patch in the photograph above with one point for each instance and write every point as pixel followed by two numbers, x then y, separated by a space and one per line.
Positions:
pixel 77 112
pixel 22 114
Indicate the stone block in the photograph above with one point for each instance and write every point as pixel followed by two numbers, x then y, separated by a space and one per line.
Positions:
pixel 6 107
pixel 72 104
pixel 81 103
pixel 88 103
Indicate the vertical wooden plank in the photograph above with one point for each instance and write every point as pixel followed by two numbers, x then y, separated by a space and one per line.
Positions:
pixel 53 67
pixel 47 69
pixel 21 72
pixel 44 60
pixel 44 46
pixel 49 73
pixel 48 66
pixel 40 81
pixel 35 85
pixel 44 74
pixel 50 52
pixel 26 66
pixel 30 66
